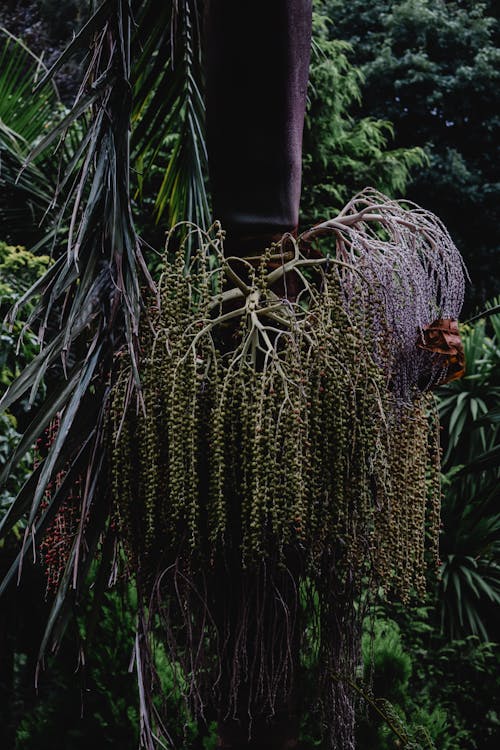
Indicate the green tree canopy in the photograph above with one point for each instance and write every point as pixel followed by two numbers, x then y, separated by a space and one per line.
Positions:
pixel 342 153
pixel 433 69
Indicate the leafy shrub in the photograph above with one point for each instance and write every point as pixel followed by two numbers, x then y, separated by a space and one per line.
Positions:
pixel 469 590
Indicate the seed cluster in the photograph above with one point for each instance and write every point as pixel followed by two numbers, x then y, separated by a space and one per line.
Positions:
pixel 274 463
pixel 278 431
pixel 58 537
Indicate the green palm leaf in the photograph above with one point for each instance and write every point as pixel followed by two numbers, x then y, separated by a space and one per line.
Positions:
pixel 144 68
pixel 89 302
pixel 168 101
pixel 24 196
pixel 470 543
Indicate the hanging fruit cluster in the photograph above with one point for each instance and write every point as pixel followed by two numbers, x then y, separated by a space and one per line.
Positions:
pixel 287 436
pixel 281 455
pixel 58 537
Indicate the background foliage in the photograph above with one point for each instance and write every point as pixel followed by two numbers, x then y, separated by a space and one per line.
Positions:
pixel 432 67
pixel 342 152
pixel 404 96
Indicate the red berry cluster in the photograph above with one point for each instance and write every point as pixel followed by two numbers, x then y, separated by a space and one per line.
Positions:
pixel 56 543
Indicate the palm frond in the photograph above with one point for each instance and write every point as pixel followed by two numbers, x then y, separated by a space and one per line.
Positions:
pixel 89 301
pixel 490 459
pixel 168 101
pixel 23 117
pixel 144 66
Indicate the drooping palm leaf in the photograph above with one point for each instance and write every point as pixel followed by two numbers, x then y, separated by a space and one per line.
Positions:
pixel 23 119
pixel 167 100
pixel 89 302
pixel 470 543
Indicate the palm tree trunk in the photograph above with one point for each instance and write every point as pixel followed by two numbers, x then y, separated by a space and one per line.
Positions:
pixel 256 81
pixel 257 73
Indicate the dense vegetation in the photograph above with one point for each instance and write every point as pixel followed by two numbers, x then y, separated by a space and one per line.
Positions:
pixel 432 68
pixel 427 73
